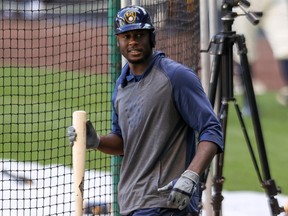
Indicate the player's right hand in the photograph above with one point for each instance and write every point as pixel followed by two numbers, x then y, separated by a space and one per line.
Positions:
pixel 92 137
pixel 182 190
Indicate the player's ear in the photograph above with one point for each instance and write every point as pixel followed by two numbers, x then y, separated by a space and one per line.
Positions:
pixel 117 40
pixel 153 38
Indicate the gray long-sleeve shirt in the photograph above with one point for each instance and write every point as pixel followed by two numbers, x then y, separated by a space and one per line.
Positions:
pixel 157 116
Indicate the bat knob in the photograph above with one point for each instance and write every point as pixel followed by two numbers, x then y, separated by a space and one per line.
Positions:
pixel 286 207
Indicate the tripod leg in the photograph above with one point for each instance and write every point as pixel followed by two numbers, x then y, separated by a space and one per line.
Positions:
pixel 242 123
pixel 268 184
pixel 218 179
pixel 254 114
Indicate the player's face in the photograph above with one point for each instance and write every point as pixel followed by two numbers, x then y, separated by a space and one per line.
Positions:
pixel 135 46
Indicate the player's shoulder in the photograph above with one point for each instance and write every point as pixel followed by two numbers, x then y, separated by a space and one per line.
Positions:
pixel 175 70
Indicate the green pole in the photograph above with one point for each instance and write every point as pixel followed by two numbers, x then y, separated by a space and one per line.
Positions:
pixel 114 70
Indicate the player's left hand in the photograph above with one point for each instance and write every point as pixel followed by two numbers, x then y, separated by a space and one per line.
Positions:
pixel 92 137
pixel 182 190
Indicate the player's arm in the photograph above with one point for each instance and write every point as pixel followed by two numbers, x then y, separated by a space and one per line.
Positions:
pixel 205 152
pixel 111 144
pixel 196 110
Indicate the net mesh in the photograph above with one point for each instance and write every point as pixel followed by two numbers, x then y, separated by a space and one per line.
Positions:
pixel 55 59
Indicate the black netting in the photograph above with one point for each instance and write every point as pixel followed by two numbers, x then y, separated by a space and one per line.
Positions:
pixel 57 57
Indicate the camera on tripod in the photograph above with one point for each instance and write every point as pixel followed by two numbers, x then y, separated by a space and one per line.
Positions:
pixel 228 14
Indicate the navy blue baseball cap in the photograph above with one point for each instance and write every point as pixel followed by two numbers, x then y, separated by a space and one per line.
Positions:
pixel 132 18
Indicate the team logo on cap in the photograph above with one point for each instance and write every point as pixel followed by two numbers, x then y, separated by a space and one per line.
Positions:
pixel 130 16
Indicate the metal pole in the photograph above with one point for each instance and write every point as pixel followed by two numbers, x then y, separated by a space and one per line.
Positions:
pixel 213 29
pixel 135 2
pixel 208 27
pixel 213 17
pixel 125 3
pixel 204 42
pixel 114 71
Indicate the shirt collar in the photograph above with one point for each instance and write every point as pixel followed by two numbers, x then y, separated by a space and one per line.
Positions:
pixel 128 76
pixel 131 77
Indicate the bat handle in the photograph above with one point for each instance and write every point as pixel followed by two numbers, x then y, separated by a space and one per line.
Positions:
pixel 78 154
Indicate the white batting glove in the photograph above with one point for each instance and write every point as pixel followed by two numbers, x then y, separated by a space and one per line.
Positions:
pixel 92 137
pixel 182 190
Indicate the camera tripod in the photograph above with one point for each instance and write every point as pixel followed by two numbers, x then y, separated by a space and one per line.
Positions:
pixel 221 82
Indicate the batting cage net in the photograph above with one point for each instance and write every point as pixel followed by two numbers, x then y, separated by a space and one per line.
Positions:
pixel 58 57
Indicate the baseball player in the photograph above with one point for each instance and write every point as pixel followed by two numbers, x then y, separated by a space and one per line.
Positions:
pixel 163 125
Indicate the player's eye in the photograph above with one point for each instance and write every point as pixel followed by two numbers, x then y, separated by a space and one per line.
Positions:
pixel 139 36
pixel 125 36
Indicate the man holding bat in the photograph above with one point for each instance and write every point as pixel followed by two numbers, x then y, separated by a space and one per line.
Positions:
pixel 160 109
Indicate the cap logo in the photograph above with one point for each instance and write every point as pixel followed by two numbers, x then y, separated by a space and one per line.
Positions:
pixel 130 16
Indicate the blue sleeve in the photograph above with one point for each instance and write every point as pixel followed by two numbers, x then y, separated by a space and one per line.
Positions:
pixel 195 107
pixel 115 126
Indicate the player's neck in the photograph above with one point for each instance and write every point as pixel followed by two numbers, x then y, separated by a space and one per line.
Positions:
pixel 139 68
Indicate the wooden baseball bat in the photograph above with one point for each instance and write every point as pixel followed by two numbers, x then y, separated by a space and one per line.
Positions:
pixel 78 154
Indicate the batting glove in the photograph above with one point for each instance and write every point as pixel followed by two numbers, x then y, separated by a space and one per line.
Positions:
pixel 92 137
pixel 182 190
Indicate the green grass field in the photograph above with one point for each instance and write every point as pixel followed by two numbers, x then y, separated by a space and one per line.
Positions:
pixel 36 109
pixel 37 105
